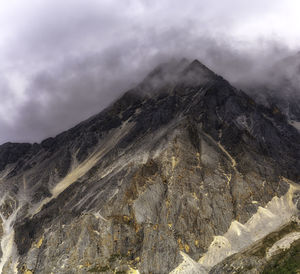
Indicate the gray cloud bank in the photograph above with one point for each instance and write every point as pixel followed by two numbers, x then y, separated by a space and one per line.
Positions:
pixel 63 61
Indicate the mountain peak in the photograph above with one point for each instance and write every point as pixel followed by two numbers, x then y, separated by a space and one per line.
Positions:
pixel 197 66
pixel 197 74
pixel 194 150
pixel 177 71
pixel 196 62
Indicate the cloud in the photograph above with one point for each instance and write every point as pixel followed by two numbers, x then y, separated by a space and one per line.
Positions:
pixel 62 61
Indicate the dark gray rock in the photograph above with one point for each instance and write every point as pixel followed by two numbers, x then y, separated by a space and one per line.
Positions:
pixel 164 169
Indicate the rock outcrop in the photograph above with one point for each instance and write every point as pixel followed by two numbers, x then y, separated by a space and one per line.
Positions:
pixel 150 182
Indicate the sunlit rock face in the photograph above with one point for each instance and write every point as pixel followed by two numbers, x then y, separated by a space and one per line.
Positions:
pixel 152 183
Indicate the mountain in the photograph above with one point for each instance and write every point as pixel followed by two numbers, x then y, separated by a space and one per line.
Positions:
pixel 177 176
pixel 280 89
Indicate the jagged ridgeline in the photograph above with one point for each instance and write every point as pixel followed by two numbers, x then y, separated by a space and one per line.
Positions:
pixel 177 176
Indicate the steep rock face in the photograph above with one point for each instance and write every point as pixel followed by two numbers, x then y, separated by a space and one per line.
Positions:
pixel 149 182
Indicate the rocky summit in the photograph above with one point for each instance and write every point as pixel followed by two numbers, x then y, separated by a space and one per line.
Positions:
pixel 182 174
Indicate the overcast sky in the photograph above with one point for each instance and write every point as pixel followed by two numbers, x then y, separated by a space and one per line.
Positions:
pixel 62 61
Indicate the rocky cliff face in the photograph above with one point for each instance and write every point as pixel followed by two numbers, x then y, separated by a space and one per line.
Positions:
pixel 175 176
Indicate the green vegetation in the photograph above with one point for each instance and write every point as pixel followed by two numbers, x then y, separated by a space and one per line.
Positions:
pixel 287 262
pixel 260 248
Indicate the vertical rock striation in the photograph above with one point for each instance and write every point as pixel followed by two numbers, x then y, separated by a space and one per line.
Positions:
pixel 176 166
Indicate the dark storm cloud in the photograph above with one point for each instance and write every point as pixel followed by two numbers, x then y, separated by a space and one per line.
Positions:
pixel 63 61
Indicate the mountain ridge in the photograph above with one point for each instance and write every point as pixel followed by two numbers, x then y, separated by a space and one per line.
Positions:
pixel 180 164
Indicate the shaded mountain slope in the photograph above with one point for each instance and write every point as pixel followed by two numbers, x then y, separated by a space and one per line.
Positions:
pixel 280 89
pixel 153 177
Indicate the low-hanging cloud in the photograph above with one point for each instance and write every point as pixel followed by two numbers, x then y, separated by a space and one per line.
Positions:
pixel 63 61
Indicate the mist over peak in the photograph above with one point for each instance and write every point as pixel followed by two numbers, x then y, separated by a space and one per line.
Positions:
pixel 144 136
pixel 69 66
